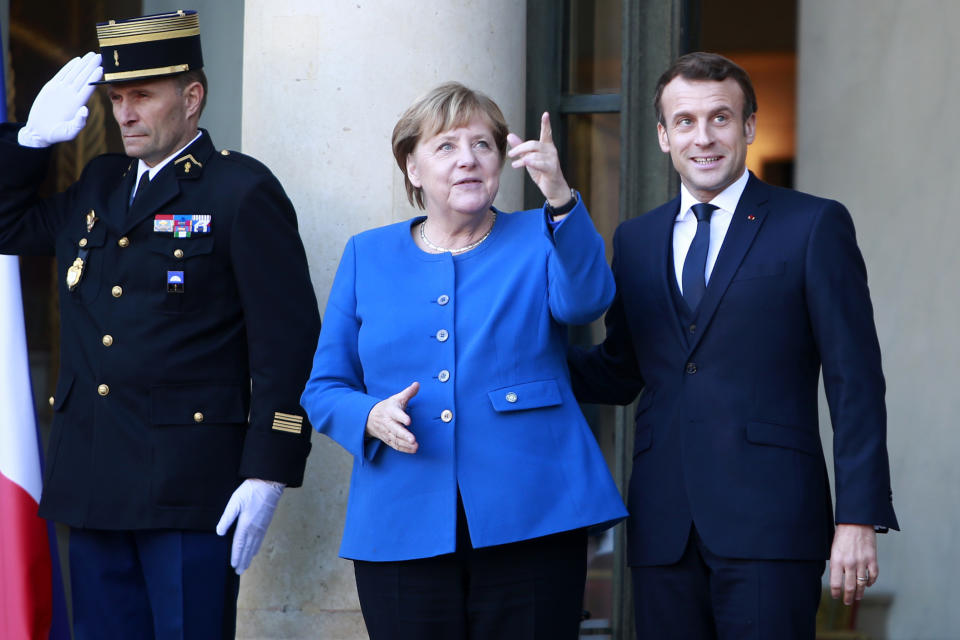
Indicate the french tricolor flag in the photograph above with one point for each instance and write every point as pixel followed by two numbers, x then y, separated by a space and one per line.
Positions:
pixel 31 591
pixel 26 589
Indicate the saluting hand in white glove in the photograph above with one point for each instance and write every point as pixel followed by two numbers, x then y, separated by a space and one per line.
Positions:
pixel 252 506
pixel 59 112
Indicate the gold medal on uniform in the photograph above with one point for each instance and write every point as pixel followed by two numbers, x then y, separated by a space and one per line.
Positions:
pixel 74 273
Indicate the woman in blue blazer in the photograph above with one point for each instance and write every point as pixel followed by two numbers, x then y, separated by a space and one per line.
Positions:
pixel 441 368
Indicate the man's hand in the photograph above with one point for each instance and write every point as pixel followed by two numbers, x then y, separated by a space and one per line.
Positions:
pixel 252 506
pixel 542 162
pixel 853 561
pixel 59 112
pixel 388 421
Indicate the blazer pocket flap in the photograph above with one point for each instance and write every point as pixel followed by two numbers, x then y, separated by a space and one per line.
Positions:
pixel 181 248
pixel 194 404
pixel 644 401
pixel 760 270
pixel 778 435
pixel 529 395
pixel 64 384
pixel 95 237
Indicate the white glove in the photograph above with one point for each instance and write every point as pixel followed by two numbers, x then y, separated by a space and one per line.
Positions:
pixel 59 112
pixel 252 506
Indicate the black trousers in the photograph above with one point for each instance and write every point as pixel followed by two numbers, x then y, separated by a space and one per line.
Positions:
pixel 529 590
pixel 708 597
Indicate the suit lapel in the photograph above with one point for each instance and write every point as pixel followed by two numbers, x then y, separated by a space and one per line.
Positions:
pixel 116 208
pixel 162 189
pixel 662 255
pixel 165 186
pixel 747 219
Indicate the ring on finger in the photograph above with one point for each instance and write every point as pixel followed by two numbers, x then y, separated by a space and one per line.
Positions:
pixel 863 579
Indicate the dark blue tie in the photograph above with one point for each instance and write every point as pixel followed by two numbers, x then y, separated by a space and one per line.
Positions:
pixel 695 264
pixel 141 187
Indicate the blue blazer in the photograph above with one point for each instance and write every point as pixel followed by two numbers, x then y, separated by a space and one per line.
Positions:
pixel 484 334
pixel 726 428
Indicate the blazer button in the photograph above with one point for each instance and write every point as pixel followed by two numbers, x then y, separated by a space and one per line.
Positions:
pixel 442 335
pixel 103 390
pixel 443 376
pixel 83 242
pixel 51 400
pixel 198 417
pixel 511 396
pixel 693 328
pixel 442 300
pixel 447 415
pixel 178 253
pixel 107 340
pixel 691 367
pixel 124 242
pixel 117 291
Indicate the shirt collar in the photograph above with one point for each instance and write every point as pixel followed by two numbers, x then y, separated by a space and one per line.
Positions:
pixel 726 200
pixel 142 166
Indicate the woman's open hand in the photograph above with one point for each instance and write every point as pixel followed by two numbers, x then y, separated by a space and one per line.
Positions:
pixel 388 421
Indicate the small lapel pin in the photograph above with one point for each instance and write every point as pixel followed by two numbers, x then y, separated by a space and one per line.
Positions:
pixel 751 217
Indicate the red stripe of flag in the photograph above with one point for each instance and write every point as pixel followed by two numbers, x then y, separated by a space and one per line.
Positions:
pixel 25 570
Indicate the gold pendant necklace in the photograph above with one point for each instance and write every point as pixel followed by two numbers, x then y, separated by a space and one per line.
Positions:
pixel 423 236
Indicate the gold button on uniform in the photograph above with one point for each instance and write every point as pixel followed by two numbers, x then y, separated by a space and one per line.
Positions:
pixel 83 242
pixel 443 376
pixel 447 415
pixel 124 242
pixel 442 300
pixel 51 401
pixel 511 396
pixel 103 390
pixel 198 417
pixel 224 152
pixel 178 253
pixel 117 291
pixel 442 335
pixel 107 340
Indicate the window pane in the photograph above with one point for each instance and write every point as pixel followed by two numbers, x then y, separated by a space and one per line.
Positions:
pixel 593 159
pixel 594 62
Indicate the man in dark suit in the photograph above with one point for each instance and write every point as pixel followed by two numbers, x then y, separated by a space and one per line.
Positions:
pixel 188 321
pixel 730 299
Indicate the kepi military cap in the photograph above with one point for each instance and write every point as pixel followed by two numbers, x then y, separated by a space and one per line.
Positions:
pixel 153 46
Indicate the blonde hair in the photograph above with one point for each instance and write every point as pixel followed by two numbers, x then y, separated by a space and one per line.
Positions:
pixel 445 107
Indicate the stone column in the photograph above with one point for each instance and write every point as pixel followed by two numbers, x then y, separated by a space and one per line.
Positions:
pixel 323 85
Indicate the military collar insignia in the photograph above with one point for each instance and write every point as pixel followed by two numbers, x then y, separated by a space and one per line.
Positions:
pixel 187 166
pixel 91 220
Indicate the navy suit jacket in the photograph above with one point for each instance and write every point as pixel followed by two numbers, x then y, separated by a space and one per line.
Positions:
pixel 727 432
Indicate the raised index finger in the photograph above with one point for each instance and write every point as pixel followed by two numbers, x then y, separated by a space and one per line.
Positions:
pixel 546 132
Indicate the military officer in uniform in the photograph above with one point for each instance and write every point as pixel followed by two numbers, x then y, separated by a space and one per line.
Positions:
pixel 188 322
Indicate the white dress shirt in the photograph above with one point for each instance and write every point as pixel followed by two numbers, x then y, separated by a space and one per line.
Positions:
pixel 685 225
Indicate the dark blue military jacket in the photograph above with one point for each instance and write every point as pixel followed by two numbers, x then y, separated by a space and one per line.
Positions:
pixel 185 341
